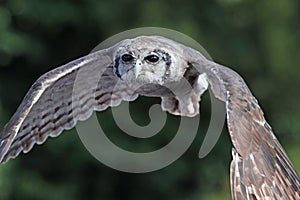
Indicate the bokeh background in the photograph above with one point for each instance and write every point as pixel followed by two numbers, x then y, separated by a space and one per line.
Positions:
pixel 258 39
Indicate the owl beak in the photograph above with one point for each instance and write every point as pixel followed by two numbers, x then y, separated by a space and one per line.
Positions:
pixel 137 69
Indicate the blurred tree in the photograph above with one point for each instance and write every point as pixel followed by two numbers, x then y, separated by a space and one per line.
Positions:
pixel 260 40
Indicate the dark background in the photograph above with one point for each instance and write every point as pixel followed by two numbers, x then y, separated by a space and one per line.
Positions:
pixel 258 39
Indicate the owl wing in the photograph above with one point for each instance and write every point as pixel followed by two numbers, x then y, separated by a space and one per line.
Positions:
pixel 260 168
pixel 61 97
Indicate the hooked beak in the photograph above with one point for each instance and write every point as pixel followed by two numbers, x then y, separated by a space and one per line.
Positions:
pixel 137 68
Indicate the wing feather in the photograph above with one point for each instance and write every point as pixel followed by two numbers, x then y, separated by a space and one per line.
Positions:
pixel 260 168
pixel 53 104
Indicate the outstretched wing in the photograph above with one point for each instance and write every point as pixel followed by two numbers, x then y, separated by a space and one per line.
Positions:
pixel 61 97
pixel 260 168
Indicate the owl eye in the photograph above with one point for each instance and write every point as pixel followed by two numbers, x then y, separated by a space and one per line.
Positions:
pixel 127 57
pixel 152 58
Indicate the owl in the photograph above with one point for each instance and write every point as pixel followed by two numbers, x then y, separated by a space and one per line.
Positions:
pixel 156 66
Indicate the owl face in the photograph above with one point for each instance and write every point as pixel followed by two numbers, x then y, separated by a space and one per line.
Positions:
pixel 144 65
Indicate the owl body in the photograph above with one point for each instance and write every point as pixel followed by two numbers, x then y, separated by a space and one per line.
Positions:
pixel 157 72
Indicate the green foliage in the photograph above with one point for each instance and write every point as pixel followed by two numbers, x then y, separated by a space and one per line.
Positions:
pixel 259 39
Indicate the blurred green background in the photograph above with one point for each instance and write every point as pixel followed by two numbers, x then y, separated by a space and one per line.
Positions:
pixel 258 39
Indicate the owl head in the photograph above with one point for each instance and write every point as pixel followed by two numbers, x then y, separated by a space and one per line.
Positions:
pixel 141 61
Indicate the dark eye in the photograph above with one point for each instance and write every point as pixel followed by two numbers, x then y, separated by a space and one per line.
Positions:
pixel 127 57
pixel 152 58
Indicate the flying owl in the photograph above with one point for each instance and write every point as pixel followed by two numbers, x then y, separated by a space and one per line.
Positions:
pixel 157 67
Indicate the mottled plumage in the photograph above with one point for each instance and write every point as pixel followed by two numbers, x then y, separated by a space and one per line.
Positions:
pixel 156 66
